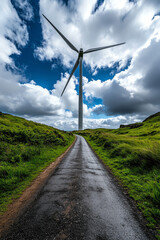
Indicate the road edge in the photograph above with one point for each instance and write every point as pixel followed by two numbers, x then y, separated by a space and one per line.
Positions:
pixel 137 213
pixel 20 205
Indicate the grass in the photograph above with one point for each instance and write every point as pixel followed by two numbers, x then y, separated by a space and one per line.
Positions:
pixel 133 154
pixel 26 148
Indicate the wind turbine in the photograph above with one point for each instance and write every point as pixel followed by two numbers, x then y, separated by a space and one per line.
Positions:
pixel 79 62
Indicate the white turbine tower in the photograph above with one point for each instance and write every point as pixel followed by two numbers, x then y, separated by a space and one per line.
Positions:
pixel 79 62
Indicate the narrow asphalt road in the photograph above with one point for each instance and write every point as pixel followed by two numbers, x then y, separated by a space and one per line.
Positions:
pixel 80 201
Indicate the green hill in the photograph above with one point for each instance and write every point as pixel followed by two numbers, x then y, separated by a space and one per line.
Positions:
pixel 155 118
pixel 132 152
pixel 26 148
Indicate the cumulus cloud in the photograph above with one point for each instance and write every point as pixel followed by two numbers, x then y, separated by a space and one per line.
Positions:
pixel 24 98
pixel 135 90
pixel 25 6
pixel 112 22
pixel 29 99
pixel 13 32
pixel 135 22
pixel 15 97
pixel 132 94
pixel 70 124
pixel 70 96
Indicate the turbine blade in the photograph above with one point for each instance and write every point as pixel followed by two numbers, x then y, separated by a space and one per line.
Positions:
pixel 64 38
pixel 101 48
pixel 73 70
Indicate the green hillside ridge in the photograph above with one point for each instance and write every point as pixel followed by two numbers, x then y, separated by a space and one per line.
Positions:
pixel 132 152
pixel 26 148
pixel 155 117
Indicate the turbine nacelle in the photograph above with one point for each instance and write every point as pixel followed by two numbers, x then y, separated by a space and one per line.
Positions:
pixel 80 53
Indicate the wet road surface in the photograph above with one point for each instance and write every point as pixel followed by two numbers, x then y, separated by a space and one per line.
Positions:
pixel 79 201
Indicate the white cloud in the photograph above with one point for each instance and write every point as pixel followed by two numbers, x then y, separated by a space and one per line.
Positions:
pixel 70 124
pixel 112 122
pixel 12 31
pixel 70 96
pixel 135 90
pixel 25 6
pixel 85 8
pixel 53 45
pixel 113 22
pixel 29 99
pixel 132 91
pixel 15 97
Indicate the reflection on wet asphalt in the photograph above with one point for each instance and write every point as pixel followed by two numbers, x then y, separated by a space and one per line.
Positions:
pixel 80 201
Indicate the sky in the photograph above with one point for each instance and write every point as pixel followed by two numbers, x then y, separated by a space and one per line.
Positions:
pixel 121 85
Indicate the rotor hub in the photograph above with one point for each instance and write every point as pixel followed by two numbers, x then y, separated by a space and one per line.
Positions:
pixel 81 52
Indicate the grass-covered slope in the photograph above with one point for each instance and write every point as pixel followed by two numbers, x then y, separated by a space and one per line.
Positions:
pixel 133 154
pixel 26 148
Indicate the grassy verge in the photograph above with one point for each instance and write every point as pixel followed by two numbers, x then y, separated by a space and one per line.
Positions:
pixel 133 155
pixel 26 148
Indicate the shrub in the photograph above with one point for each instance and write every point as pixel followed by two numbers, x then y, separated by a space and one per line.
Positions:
pixel 122 150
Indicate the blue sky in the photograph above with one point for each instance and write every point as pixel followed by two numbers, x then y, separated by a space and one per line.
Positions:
pixel 121 85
